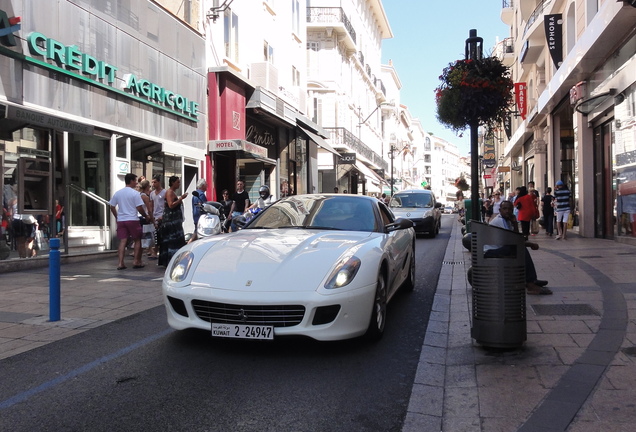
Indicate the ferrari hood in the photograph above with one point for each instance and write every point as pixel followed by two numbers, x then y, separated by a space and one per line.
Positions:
pixel 274 260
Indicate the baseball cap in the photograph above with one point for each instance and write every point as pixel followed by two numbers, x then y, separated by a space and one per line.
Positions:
pixel 559 183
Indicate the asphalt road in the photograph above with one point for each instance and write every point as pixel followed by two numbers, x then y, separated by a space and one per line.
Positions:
pixel 138 375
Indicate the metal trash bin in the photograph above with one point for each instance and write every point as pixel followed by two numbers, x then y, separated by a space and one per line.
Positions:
pixel 499 287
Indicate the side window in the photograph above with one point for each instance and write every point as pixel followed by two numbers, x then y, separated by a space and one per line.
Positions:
pixel 387 216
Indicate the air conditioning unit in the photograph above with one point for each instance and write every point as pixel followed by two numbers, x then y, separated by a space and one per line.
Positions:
pixel 265 74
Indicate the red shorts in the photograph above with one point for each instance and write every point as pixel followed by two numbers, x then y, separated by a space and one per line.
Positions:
pixel 128 229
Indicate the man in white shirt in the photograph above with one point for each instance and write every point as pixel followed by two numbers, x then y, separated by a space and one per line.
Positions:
pixel 124 205
pixel 506 220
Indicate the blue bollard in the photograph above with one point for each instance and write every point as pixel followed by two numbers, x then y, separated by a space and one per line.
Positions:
pixel 54 280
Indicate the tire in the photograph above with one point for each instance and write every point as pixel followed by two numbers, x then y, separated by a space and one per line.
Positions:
pixel 409 284
pixel 433 232
pixel 378 311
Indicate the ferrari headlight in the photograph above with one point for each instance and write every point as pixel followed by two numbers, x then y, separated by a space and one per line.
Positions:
pixel 181 266
pixel 344 273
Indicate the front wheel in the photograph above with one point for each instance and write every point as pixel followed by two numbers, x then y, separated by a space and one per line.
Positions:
pixel 378 313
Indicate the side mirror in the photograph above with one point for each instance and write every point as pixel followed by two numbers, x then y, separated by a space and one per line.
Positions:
pixel 438 205
pixel 195 193
pixel 399 224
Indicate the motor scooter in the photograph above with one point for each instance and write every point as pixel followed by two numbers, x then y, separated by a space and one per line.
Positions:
pixel 247 217
pixel 212 220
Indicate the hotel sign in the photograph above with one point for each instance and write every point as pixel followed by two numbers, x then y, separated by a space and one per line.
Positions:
pixel 237 144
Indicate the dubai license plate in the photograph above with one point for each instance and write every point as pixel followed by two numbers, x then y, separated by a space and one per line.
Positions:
pixel 242 331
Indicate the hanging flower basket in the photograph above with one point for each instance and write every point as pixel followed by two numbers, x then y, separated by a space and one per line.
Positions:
pixel 474 91
pixel 461 184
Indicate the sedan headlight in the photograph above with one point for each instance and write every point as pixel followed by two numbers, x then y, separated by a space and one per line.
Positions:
pixel 181 266
pixel 344 273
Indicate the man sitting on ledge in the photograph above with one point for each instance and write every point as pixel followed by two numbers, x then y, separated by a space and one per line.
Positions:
pixel 506 219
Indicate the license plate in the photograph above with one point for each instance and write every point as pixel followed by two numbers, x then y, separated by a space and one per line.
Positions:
pixel 242 331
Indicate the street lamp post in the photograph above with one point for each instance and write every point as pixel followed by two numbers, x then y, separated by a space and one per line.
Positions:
pixel 392 149
pixel 474 51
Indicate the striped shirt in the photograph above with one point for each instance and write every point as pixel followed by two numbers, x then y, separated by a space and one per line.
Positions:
pixel 562 197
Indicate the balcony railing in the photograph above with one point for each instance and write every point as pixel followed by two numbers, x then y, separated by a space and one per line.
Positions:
pixel 325 15
pixel 538 12
pixel 507 4
pixel 341 137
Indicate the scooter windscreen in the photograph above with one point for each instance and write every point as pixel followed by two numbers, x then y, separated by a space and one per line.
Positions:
pixel 208 225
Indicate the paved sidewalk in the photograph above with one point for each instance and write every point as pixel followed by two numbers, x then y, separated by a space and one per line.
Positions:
pixel 575 372
pixel 93 293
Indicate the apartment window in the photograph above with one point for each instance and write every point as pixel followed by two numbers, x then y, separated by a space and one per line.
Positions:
pixel 427 144
pixel 427 158
pixel 317 117
pixel 268 52
pixel 295 77
pixel 230 35
pixel 312 57
pixel 296 16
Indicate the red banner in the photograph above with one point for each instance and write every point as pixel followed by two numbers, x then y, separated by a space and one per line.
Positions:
pixel 521 99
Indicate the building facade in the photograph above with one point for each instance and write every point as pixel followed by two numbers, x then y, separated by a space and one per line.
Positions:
pixel 259 131
pixel 91 90
pixel 345 91
pixel 574 65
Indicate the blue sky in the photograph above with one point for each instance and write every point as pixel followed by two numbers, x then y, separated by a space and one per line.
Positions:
pixel 429 34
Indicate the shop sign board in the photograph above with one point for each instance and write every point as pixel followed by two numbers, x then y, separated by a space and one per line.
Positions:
pixel 28 151
pixel 123 166
pixel 47 121
pixel 347 158
pixel 69 60
pixel 489 152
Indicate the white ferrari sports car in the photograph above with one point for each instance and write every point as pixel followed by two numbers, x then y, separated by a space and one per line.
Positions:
pixel 322 266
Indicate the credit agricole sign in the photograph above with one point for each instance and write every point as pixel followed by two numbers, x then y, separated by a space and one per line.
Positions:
pixel 69 60
pixel 86 67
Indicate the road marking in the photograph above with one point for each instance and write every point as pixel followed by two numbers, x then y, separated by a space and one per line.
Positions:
pixel 21 397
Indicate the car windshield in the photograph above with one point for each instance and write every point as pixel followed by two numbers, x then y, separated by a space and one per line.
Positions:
pixel 411 200
pixel 329 212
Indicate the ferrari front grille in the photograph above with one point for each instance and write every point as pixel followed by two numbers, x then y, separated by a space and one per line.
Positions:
pixel 274 315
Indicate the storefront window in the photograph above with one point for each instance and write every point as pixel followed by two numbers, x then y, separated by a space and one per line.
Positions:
pixel 25 163
pixel 301 166
pixel 624 161
pixel 285 187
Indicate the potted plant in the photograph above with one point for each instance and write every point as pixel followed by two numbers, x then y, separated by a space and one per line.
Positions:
pixel 461 184
pixel 474 91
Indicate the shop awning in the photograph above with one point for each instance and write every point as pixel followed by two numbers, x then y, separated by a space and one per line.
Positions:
pixel 368 172
pixel 318 140
pixel 243 147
